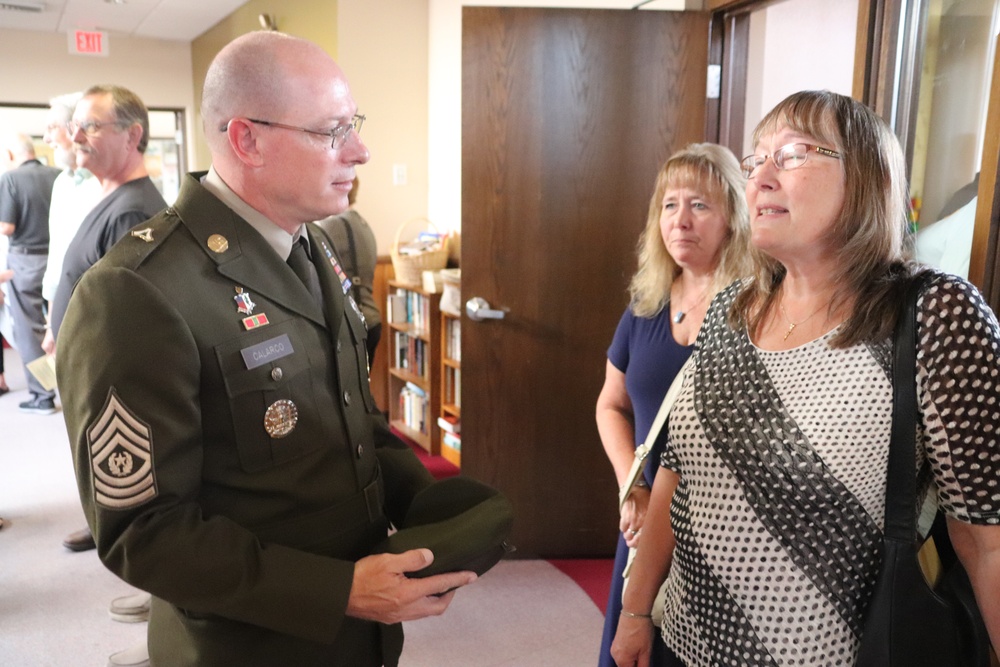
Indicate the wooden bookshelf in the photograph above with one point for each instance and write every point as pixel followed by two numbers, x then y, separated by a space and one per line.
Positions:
pixel 414 343
pixel 451 382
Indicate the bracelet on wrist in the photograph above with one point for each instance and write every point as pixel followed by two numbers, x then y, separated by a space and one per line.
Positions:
pixel 640 484
pixel 631 615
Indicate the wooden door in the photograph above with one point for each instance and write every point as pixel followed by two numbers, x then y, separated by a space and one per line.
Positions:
pixel 566 117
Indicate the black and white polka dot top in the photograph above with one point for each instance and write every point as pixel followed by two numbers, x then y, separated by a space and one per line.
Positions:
pixel 782 457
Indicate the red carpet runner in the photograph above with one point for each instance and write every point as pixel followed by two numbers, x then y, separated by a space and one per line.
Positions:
pixel 593 575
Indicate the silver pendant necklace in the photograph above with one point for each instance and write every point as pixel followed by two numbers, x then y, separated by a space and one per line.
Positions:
pixel 680 314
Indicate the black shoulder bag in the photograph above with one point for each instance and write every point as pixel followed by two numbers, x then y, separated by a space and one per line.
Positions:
pixel 909 623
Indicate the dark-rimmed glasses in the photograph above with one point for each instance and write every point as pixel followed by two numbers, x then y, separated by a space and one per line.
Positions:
pixel 789 156
pixel 337 135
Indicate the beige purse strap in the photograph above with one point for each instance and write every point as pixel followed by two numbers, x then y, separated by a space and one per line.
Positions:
pixel 642 451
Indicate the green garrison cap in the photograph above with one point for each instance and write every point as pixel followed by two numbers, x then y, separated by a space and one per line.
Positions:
pixel 465 524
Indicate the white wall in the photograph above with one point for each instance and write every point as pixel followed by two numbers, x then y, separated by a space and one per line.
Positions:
pixel 798 45
pixel 444 129
pixel 38 66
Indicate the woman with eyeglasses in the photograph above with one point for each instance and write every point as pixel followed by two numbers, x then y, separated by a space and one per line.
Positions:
pixel 766 514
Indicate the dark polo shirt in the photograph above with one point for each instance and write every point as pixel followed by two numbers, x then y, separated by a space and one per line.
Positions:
pixel 25 194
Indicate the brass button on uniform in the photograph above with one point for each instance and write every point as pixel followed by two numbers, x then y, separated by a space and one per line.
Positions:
pixel 276 374
pixel 347 398
pixel 361 450
pixel 217 243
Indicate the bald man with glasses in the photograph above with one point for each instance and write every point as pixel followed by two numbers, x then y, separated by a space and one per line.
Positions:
pixel 229 454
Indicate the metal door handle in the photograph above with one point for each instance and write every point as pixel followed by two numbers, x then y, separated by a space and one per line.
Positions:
pixel 478 309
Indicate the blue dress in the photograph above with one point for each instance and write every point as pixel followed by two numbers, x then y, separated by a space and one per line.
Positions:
pixel 643 349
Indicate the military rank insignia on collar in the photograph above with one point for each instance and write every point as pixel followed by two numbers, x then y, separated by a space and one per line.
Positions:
pixel 121 457
pixel 345 282
pixel 144 234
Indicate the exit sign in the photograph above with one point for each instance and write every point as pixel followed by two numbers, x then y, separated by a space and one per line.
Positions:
pixel 88 43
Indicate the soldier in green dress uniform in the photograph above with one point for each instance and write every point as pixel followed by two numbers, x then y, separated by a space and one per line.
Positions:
pixel 230 458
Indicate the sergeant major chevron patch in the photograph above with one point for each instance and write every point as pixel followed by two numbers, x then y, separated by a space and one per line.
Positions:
pixel 121 457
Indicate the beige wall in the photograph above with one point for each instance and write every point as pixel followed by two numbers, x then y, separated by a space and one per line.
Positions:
pixel 383 50
pixel 382 47
pixel 315 20
pixel 38 66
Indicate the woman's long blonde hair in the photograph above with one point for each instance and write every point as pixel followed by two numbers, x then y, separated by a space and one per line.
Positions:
pixel 715 171
pixel 866 238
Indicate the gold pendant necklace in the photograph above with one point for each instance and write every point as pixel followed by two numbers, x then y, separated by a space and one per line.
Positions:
pixel 792 325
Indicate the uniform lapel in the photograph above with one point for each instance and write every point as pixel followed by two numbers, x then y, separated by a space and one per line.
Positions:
pixel 246 258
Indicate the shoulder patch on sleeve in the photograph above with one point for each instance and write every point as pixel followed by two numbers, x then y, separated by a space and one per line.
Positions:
pixel 121 457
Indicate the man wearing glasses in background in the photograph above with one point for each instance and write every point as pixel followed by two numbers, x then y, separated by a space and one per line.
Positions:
pixel 110 131
pixel 230 457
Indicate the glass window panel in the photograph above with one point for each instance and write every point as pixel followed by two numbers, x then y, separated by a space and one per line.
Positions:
pixel 959 37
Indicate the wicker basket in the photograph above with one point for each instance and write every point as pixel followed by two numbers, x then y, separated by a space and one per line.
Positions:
pixel 408 268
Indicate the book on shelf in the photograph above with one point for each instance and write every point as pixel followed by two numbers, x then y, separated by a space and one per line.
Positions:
pixel 396 308
pixel 408 307
pixel 415 389
pixel 453 340
pixel 411 354
pixel 453 440
pixel 413 407
pixel 450 424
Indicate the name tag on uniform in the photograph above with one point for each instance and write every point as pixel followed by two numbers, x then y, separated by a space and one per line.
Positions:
pixel 266 352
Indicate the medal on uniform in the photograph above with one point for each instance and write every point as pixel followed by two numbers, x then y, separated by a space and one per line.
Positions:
pixel 255 321
pixel 280 418
pixel 345 282
pixel 354 305
pixel 244 304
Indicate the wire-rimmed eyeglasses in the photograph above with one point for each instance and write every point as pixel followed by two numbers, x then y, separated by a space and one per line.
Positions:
pixel 337 135
pixel 789 156
pixel 92 127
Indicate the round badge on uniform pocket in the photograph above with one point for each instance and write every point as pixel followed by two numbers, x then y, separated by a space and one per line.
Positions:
pixel 280 418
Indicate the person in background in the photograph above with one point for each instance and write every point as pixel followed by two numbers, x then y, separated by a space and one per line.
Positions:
pixel 257 476
pixel 767 513
pixel 693 244
pixel 110 132
pixel 354 241
pixel 5 277
pixel 74 193
pixel 25 194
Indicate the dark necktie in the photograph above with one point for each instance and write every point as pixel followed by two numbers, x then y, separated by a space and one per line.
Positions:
pixel 305 270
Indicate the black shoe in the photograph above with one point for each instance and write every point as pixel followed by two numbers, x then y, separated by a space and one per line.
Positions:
pixel 81 540
pixel 39 405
